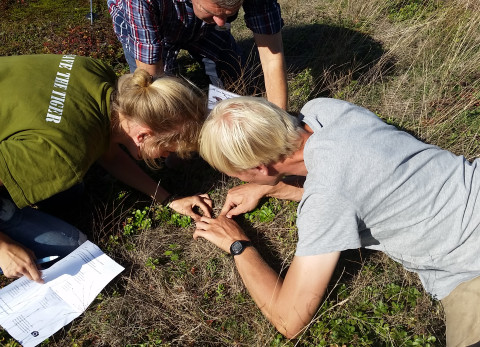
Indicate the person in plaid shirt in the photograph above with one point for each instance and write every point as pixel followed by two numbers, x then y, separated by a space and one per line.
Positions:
pixel 152 32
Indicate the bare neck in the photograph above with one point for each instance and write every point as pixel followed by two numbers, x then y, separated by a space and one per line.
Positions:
pixel 294 164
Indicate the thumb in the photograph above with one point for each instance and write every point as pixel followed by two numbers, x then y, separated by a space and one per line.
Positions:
pixel 235 211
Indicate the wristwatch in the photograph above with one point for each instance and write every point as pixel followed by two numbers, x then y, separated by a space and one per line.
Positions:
pixel 239 246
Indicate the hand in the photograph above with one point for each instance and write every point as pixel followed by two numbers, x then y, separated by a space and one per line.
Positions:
pixel 243 198
pixel 222 231
pixel 185 205
pixel 17 261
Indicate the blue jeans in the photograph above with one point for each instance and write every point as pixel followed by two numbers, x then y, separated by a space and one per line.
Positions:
pixel 42 233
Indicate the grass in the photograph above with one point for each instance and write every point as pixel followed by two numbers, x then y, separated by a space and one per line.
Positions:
pixel 413 62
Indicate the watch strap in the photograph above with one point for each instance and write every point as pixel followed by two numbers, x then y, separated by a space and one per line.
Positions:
pixel 239 246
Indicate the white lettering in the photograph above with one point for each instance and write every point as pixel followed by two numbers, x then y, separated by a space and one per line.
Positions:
pixel 56 103
pixel 57 99
pixel 59 83
pixel 53 118
pixel 60 94
pixel 52 109
pixel 65 75
pixel 67 62
pixel 64 65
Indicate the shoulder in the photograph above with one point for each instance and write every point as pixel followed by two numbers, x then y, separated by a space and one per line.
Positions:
pixel 263 16
pixel 258 7
pixel 336 106
pixel 327 111
pixel 95 66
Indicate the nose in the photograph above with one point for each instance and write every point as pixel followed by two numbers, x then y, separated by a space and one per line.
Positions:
pixel 220 20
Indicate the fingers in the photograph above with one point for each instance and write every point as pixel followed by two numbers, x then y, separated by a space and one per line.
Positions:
pixel 204 207
pixel 195 235
pixel 28 269
pixel 17 260
pixel 221 231
pixel 205 204
pixel 206 199
pixel 34 274
pixel 233 210
pixel 236 211
pixel 186 205
pixel 204 225
pixel 206 219
pixel 204 231
pixel 241 199
pixel 201 230
pixel 227 207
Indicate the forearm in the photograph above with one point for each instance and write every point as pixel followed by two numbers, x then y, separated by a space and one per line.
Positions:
pixel 245 197
pixel 125 169
pixel 270 48
pixel 283 305
pixel 276 81
pixel 289 304
pixel 287 189
pixel 136 178
pixel 262 282
pixel 155 70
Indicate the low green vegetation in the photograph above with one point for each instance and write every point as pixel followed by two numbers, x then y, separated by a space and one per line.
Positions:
pixel 415 63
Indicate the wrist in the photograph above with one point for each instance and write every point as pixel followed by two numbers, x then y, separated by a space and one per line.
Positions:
pixel 271 191
pixel 237 247
pixel 5 240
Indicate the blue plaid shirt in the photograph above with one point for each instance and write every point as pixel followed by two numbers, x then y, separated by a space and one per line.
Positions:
pixel 157 29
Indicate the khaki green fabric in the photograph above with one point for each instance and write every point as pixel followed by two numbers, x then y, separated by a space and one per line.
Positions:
pixel 54 122
pixel 462 313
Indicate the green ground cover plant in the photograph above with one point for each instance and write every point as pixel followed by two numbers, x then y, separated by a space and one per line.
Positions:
pixel 416 63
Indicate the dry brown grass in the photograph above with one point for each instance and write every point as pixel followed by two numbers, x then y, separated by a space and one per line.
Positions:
pixel 427 76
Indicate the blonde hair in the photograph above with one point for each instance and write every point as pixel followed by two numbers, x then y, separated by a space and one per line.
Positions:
pixel 172 108
pixel 244 132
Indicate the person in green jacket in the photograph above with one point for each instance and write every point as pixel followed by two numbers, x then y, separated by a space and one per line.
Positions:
pixel 59 114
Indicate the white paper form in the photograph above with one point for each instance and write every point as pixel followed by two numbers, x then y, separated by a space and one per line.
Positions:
pixel 31 312
pixel 216 94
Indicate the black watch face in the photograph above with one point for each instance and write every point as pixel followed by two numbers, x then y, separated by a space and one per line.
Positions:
pixel 236 247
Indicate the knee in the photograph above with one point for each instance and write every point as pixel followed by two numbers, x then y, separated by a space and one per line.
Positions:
pixel 81 238
pixel 7 210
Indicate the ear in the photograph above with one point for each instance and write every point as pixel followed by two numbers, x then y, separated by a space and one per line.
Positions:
pixel 263 169
pixel 267 170
pixel 142 132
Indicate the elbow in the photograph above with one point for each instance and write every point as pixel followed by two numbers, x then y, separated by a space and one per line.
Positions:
pixel 292 322
pixel 290 336
pixel 292 330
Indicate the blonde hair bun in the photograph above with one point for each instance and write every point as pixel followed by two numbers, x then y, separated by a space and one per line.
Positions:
pixel 141 78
